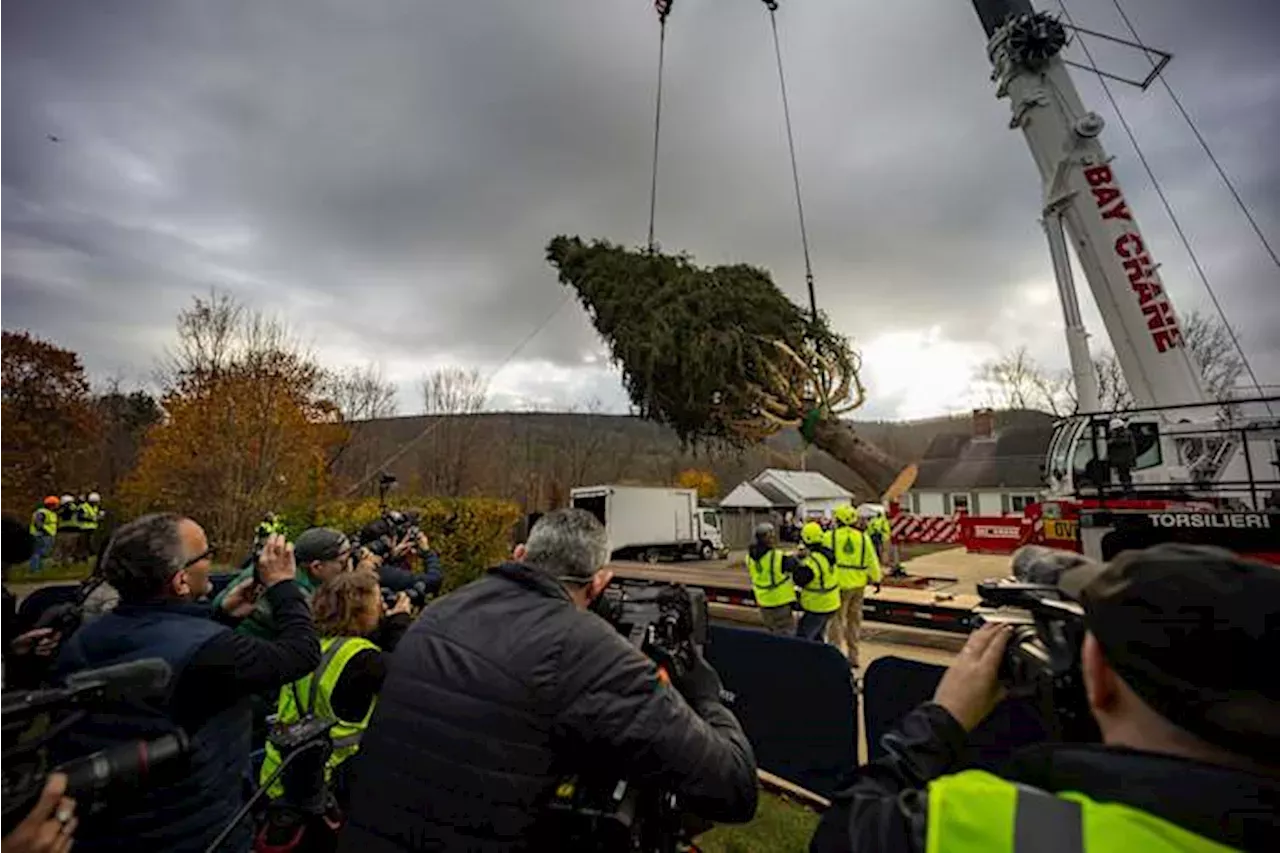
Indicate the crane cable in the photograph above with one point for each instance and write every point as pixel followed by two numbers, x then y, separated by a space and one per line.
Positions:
pixel 1164 200
pixel 1177 102
pixel 772 6
pixel 663 8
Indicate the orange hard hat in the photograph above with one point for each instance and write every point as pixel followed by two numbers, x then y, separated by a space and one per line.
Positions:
pixel 52 500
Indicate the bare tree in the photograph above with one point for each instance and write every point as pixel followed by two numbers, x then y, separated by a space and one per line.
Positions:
pixel 360 393
pixel 454 391
pixel 1018 381
pixel 449 461
pixel 1212 350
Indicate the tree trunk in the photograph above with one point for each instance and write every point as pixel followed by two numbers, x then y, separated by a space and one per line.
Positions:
pixel 869 462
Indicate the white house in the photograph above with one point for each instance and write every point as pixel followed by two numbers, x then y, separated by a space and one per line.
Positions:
pixel 806 494
pixel 993 470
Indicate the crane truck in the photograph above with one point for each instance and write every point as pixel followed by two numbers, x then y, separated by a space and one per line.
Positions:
pixel 1204 471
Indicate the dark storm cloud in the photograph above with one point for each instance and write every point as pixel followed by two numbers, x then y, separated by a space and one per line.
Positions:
pixel 387 173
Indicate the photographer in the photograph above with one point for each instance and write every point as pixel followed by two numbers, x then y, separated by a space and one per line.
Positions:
pixel 505 686
pixel 159 564
pixel 320 553
pixel 348 612
pixel 1179 669
pixel 394 544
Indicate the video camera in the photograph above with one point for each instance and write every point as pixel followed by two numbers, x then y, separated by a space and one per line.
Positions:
pixel 1042 659
pixel 34 722
pixel 418 594
pixel 668 622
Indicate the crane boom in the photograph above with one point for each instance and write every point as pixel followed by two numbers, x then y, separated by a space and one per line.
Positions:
pixel 1083 196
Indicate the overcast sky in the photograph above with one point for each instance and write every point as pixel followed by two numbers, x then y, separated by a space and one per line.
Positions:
pixel 385 175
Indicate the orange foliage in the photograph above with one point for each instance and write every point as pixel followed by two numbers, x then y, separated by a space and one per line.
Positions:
pixel 49 422
pixel 704 481
pixel 231 447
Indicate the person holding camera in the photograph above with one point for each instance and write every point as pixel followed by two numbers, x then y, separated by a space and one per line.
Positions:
pixel 159 564
pixel 506 686
pixel 348 612
pixel 394 545
pixel 1178 665
pixel 320 553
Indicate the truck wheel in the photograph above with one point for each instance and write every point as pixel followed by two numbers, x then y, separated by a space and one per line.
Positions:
pixel 707 552
pixel 650 556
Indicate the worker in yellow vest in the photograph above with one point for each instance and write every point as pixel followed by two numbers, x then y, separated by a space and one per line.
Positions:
pixel 1177 663
pixel 344 686
pixel 44 531
pixel 856 563
pixel 819 587
pixel 771 573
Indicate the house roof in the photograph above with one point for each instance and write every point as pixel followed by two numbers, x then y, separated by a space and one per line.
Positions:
pixel 1011 460
pixel 757 496
pixel 800 485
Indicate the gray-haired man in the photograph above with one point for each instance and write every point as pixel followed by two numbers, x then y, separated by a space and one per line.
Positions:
pixel 505 686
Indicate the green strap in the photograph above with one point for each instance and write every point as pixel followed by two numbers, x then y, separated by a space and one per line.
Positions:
pixel 316 677
pixel 809 424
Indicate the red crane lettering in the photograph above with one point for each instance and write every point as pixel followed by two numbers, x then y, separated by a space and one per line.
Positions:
pixel 1103 196
pixel 1119 211
pixel 1147 291
pixel 1167 338
pixel 1126 240
pixel 1098 175
pixel 1159 315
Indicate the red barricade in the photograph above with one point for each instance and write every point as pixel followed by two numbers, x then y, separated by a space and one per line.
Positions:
pixel 1000 534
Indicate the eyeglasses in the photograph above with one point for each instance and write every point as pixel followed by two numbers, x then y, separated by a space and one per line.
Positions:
pixel 207 555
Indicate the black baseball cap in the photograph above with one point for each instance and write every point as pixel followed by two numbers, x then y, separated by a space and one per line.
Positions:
pixel 319 543
pixel 1195 631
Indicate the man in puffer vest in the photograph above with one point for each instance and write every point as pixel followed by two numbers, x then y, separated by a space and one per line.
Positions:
pixel 1179 670
pixel 159 564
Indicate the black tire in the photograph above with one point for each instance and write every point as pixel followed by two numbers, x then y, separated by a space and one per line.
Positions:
pixel 707 552
pixel 651 555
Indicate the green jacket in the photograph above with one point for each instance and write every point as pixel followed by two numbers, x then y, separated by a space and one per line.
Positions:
pixel 261 622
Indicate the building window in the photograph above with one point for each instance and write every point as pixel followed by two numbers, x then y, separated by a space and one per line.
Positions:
pixel 958 502
pixel 915 496
pixel 1019 503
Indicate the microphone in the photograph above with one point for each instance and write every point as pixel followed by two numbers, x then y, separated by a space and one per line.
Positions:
pixel 123 682
pixel 147 678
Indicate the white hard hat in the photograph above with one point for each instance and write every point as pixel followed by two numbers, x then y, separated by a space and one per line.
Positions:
pixel 1118 423
pixel 94 497
pixel 66 499
pixel 867 511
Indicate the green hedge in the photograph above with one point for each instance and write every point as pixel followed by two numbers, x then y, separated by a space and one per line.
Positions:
pixel 469 534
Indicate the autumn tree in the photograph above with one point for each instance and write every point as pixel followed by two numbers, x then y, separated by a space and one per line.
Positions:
pixel 704 482
pixel 247 427
pixel 49 422
pixel 125 418
pixel 450 459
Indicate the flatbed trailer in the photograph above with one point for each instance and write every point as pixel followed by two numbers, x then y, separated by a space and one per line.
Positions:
pixel 727 585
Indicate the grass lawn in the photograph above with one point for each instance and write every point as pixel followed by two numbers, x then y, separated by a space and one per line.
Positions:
pixel 780 826
pixel 50 572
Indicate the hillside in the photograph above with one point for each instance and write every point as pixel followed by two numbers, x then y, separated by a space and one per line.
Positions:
pixel 535 458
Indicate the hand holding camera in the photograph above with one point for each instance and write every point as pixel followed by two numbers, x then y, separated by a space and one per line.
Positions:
pixel 276 563
pixel 970 689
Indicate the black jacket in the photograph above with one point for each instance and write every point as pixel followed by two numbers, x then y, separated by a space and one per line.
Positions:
pixel 504 687
pixel 884 808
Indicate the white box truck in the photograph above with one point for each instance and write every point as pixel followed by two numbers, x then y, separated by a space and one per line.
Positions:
pixel 653 523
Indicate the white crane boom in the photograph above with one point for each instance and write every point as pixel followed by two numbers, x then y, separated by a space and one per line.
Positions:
pixel 1082 194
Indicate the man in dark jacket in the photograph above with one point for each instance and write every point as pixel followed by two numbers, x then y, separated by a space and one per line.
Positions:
pixel 1179 668
pixel 160 564
pixel 506 686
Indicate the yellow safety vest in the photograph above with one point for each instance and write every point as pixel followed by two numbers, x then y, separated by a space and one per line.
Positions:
pixel 855 558
pixel 88 516
pixel 772 586
pixel 44 522
pixel 822 593
pixel 317 688
pixel 976 812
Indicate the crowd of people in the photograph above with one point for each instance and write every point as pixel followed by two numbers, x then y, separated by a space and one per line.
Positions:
pixel 452 727
pixel 65 528
pixel 827 577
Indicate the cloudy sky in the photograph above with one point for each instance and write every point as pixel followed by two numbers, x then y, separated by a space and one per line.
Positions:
pixel 385 174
